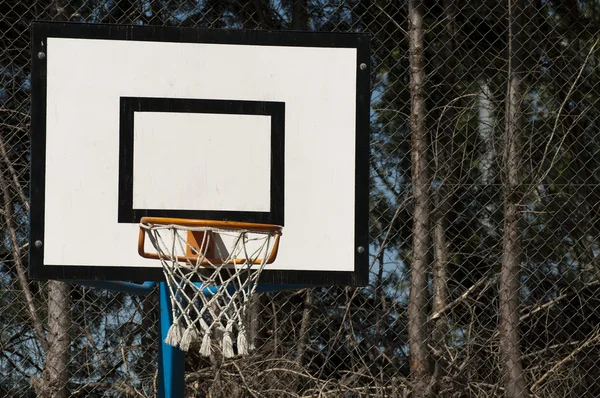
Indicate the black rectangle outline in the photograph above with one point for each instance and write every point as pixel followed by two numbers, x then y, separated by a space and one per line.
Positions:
pixel 40 31
pixel 276 111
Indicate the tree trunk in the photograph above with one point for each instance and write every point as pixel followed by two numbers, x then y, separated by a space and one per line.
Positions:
pixel 300 22
pixel 55 375
pixel 256 14
pixel 417 307
pixel 514 380
pixel 53 383
pixel 300 15
pixel 486 122
pixel 380 294
pixel 445 166
pixel 440 295
pixel 304 335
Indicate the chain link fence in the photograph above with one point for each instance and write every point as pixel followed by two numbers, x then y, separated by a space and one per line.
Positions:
pixel 485 246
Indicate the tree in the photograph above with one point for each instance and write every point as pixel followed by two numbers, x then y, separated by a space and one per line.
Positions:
pixel 514 380
pixel 417 308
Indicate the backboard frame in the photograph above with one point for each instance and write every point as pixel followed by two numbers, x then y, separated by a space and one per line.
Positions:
pixel 276 111
pixel 41 31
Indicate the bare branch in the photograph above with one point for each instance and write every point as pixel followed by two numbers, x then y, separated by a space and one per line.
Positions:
pixel 13 174
pixel 16 253
pixel 593 339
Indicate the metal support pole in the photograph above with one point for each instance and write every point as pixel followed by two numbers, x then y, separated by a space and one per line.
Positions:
pixel 171 383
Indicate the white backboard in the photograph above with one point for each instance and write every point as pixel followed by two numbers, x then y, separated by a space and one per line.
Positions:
pixel 268 127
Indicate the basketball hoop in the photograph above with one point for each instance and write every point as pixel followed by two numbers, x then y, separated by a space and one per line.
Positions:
pixel 212 270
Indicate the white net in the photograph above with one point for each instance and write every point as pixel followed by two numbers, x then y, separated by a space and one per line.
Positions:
pixel 211 282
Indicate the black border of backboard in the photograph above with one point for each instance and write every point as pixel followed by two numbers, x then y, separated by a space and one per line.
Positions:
pixel 40 31
pixel 130 105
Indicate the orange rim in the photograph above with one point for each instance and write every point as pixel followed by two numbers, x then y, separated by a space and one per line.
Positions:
pixel 231 225
pixel 226 225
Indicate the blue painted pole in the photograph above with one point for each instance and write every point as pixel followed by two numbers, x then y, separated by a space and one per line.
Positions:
pixel 171 383
pixel 138 289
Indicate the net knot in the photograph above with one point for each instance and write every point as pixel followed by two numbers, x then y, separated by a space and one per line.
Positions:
pixel 174 334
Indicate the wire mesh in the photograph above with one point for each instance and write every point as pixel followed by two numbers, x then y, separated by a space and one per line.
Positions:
pixel 508 303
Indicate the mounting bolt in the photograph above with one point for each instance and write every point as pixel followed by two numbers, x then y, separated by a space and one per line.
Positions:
pixel 363 66
pixel 41 55
pixel 360 249
pixel 38 243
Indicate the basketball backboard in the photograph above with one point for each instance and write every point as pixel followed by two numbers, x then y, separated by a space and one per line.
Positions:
pixel 133 121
